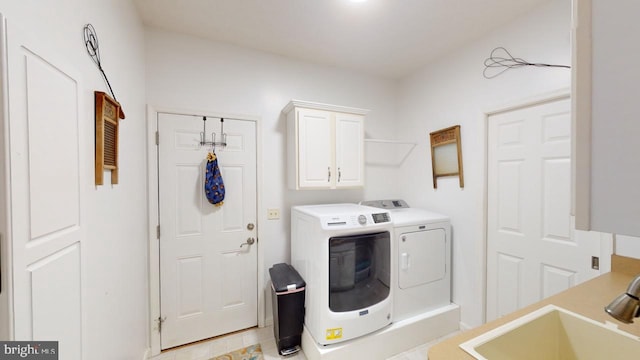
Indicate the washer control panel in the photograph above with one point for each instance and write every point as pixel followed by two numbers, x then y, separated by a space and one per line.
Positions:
pixel 356 220
pixel 381 218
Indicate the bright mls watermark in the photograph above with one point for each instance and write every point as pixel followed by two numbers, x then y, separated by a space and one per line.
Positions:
pixel 28 350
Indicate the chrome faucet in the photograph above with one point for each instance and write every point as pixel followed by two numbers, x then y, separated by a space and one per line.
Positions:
pixel 626 306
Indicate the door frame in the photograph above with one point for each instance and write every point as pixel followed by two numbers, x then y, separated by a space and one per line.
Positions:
pixel 6 263
pixel 153 214
pixel 560 94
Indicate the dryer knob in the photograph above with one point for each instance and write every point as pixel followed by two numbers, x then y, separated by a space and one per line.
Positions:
pixel 362 219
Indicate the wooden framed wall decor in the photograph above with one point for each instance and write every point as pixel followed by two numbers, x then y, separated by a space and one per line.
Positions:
pixel 108 112
pixel 446 154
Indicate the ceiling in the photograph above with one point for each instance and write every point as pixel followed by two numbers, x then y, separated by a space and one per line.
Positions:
pixel 388 38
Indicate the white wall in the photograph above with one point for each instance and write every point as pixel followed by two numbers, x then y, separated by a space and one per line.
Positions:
pixel 190 73
pixel 114 254
pixel 453 91
pixel 628 246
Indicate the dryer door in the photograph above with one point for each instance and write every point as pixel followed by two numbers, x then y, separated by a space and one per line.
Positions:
pixel 421 257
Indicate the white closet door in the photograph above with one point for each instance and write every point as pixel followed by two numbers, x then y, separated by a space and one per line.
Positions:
pixel 533 250
pixel 46 179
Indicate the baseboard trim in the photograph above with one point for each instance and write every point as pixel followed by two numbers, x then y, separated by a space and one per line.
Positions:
pixel 147 354
pixel 268 322
pixel 465 327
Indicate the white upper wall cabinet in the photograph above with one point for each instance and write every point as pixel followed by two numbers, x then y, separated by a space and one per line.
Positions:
pixel 606 77
pixel 325 146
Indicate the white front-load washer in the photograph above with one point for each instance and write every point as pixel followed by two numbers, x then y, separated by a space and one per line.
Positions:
pixel 343 252
pixel 421 276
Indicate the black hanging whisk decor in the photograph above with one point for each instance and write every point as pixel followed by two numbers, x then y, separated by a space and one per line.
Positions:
pixel 502 60
pixel 91 43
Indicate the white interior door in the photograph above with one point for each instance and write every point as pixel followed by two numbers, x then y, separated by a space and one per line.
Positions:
pixel 532 250
pixel 208 278
pixel 46 180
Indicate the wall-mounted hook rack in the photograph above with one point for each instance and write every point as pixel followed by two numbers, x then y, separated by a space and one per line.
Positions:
pixel 213 143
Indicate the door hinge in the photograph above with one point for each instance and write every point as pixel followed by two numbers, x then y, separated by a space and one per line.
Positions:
pixel 157 138
pixel 160 321
pixel 158 232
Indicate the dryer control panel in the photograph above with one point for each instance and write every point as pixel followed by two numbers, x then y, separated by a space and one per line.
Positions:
pixel 386 204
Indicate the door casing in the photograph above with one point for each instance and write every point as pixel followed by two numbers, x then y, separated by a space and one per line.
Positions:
pixel 153 215
pixel 6 306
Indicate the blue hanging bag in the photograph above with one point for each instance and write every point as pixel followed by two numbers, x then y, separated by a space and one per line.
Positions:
pixel 213 184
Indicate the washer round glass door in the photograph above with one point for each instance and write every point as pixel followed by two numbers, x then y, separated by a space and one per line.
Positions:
pixel 359 270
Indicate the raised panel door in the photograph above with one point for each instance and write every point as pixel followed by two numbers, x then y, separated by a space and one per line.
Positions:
pixel 46 167
pixel 315 138
pixel 533 250
pixel 208 278
pixel 349 150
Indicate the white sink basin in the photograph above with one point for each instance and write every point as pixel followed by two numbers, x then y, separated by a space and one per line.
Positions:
pixel 552 333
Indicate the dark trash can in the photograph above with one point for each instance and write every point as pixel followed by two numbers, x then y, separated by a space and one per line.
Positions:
pixel 287 297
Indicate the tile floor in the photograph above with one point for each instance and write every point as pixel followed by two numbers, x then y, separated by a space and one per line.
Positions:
pixel 205 350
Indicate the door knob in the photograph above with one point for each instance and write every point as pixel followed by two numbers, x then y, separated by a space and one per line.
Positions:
pixel 249 242
pixel 250 226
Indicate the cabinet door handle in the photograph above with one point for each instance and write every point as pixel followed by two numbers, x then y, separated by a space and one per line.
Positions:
pixel 329 172
pixel 339 174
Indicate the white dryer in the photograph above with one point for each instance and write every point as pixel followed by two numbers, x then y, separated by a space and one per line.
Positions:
pixel 422 244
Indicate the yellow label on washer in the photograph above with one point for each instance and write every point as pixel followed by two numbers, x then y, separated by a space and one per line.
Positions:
pixel 335 333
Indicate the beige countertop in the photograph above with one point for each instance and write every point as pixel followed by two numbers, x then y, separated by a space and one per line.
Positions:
pixel 588 299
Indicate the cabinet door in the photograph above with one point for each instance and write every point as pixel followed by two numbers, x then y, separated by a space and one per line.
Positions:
pixel 315 144
pixel 615 169
pixel 349 150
